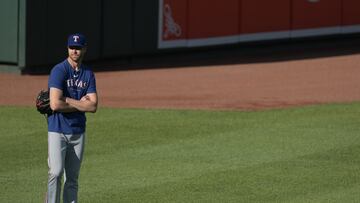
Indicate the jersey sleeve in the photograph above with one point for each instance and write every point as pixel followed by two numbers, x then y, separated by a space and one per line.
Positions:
pixel 56 78
pixel 92 84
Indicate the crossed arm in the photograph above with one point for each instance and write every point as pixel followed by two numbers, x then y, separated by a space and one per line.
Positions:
pixel 59 103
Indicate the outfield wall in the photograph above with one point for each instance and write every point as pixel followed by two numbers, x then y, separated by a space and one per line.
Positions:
pixel 191 23
pixel 33 33
pixel 9 18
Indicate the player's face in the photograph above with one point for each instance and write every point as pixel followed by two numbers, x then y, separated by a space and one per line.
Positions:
pixel 76 53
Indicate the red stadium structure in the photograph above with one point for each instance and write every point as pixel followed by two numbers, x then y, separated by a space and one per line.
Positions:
pixel 189 23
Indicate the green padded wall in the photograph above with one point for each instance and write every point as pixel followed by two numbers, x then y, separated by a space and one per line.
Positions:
pixel 9 31
pixel 117 28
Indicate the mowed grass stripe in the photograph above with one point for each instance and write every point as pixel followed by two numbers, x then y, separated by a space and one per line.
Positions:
pixel 307 154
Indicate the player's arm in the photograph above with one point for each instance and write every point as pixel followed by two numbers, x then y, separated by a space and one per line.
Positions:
pixel 88 103
pixel 58 103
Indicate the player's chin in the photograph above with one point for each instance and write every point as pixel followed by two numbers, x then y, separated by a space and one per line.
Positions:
pixel 75 58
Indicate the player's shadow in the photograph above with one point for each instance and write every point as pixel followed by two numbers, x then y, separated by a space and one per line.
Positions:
pixel 245 53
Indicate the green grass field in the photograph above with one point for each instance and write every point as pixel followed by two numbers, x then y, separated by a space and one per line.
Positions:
pixel 308 154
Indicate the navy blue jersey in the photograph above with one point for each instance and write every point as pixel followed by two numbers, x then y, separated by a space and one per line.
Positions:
pixel 74 84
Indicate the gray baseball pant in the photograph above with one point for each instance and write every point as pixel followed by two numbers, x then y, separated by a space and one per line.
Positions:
pixel 65 151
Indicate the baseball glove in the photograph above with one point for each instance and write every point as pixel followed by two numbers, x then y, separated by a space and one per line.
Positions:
pixel 43 102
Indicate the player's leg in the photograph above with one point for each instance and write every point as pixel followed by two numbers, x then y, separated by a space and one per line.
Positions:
pixel 73 160
pixel 56 159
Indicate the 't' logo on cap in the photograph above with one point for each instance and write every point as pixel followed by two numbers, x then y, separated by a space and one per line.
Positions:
pixel 76 38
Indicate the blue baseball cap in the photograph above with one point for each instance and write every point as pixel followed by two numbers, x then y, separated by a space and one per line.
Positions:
pixel 77 40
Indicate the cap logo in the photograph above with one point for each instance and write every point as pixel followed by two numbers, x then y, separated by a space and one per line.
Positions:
pixel 76 38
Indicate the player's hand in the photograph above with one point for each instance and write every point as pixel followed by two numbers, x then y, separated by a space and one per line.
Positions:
pixel 85 98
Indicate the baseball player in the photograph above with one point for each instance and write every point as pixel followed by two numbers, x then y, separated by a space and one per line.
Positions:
pixel 72 89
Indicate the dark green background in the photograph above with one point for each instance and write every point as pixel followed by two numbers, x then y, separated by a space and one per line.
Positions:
pixel 34 33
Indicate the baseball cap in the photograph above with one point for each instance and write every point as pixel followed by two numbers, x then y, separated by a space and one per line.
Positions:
pixel 77 40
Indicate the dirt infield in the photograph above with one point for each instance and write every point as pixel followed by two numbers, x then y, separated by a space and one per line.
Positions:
pixel 259 84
